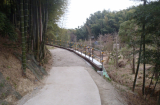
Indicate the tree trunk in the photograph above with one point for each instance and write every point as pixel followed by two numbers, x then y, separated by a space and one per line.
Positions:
pixel 144 62
pixel 140 50
pixel 108 58
pixel 23 40
pixel 133 68
pixel 25 18
pixel 37 29
pixel 30 27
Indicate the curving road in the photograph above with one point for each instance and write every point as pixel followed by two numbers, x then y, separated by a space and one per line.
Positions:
pixel 72 81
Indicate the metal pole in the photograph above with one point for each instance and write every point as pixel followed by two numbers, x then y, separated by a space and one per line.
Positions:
pixel 76 46
pixel 85 50
pixel 102 60
pixel 100 57
pixel 58 42
pixel 88 53
pixel 81 49
pixel 92 54
pixel 63 44
pixel 69 44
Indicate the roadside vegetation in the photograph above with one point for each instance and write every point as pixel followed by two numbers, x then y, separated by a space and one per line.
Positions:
pixel 24 59
pixel 131 41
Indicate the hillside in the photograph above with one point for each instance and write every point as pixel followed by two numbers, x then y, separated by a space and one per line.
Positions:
pixel 13 86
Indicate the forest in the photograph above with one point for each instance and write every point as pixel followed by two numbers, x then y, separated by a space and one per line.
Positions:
pixel 25 25
pixel 137 30
pixel 30 23
pixel 105 22
pixel 36 20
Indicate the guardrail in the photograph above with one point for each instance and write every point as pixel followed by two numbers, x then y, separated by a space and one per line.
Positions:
pixel 87 52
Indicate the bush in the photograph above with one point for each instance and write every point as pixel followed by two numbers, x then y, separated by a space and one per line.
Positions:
pixel 6 28
pixel 2 21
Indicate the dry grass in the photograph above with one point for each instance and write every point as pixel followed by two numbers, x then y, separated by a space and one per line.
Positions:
pixel 124 77
pixel 10 67
pixel 50 47
pixel 136 99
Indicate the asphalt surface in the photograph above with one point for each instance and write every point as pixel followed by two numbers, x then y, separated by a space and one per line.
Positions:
pixel 73 81
pixel 68 83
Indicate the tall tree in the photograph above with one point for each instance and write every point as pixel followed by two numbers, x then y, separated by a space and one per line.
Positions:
pixel 23 40
pixel 128 34
pixel 33 27
pixel 105 22
pixel 144 54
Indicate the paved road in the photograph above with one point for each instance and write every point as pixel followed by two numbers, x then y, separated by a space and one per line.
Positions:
pixel 69 83
pixel 72 81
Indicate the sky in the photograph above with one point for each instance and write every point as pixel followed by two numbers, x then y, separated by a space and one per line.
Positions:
pixel 79 10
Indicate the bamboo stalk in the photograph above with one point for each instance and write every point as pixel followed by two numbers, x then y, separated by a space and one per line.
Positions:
pixel 23 40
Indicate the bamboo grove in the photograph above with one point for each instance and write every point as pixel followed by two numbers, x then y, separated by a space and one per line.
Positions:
pixel 138 28
pixel 31 17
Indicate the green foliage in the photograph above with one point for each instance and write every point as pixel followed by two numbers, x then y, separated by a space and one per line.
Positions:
pixel 8 66
pixel 15 85
pixel 2 20
pixel 149 15
pixel 36 20
pixel 3 95
pixel 129 33
pixel 2 84
pixel 56 9
pixel 113 55
pixel 7 78
pixel 56 33
pixel 105 22
pixel 6 28
pixel 111 62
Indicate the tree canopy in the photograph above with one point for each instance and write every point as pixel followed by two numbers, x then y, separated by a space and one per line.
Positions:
pixel 105 22
pixel 35 19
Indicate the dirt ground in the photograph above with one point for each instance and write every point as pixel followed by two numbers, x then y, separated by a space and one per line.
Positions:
pixel 10 67
pixel 122 78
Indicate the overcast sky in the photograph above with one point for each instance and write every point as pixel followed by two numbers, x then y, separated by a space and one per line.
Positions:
pixel 79 10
